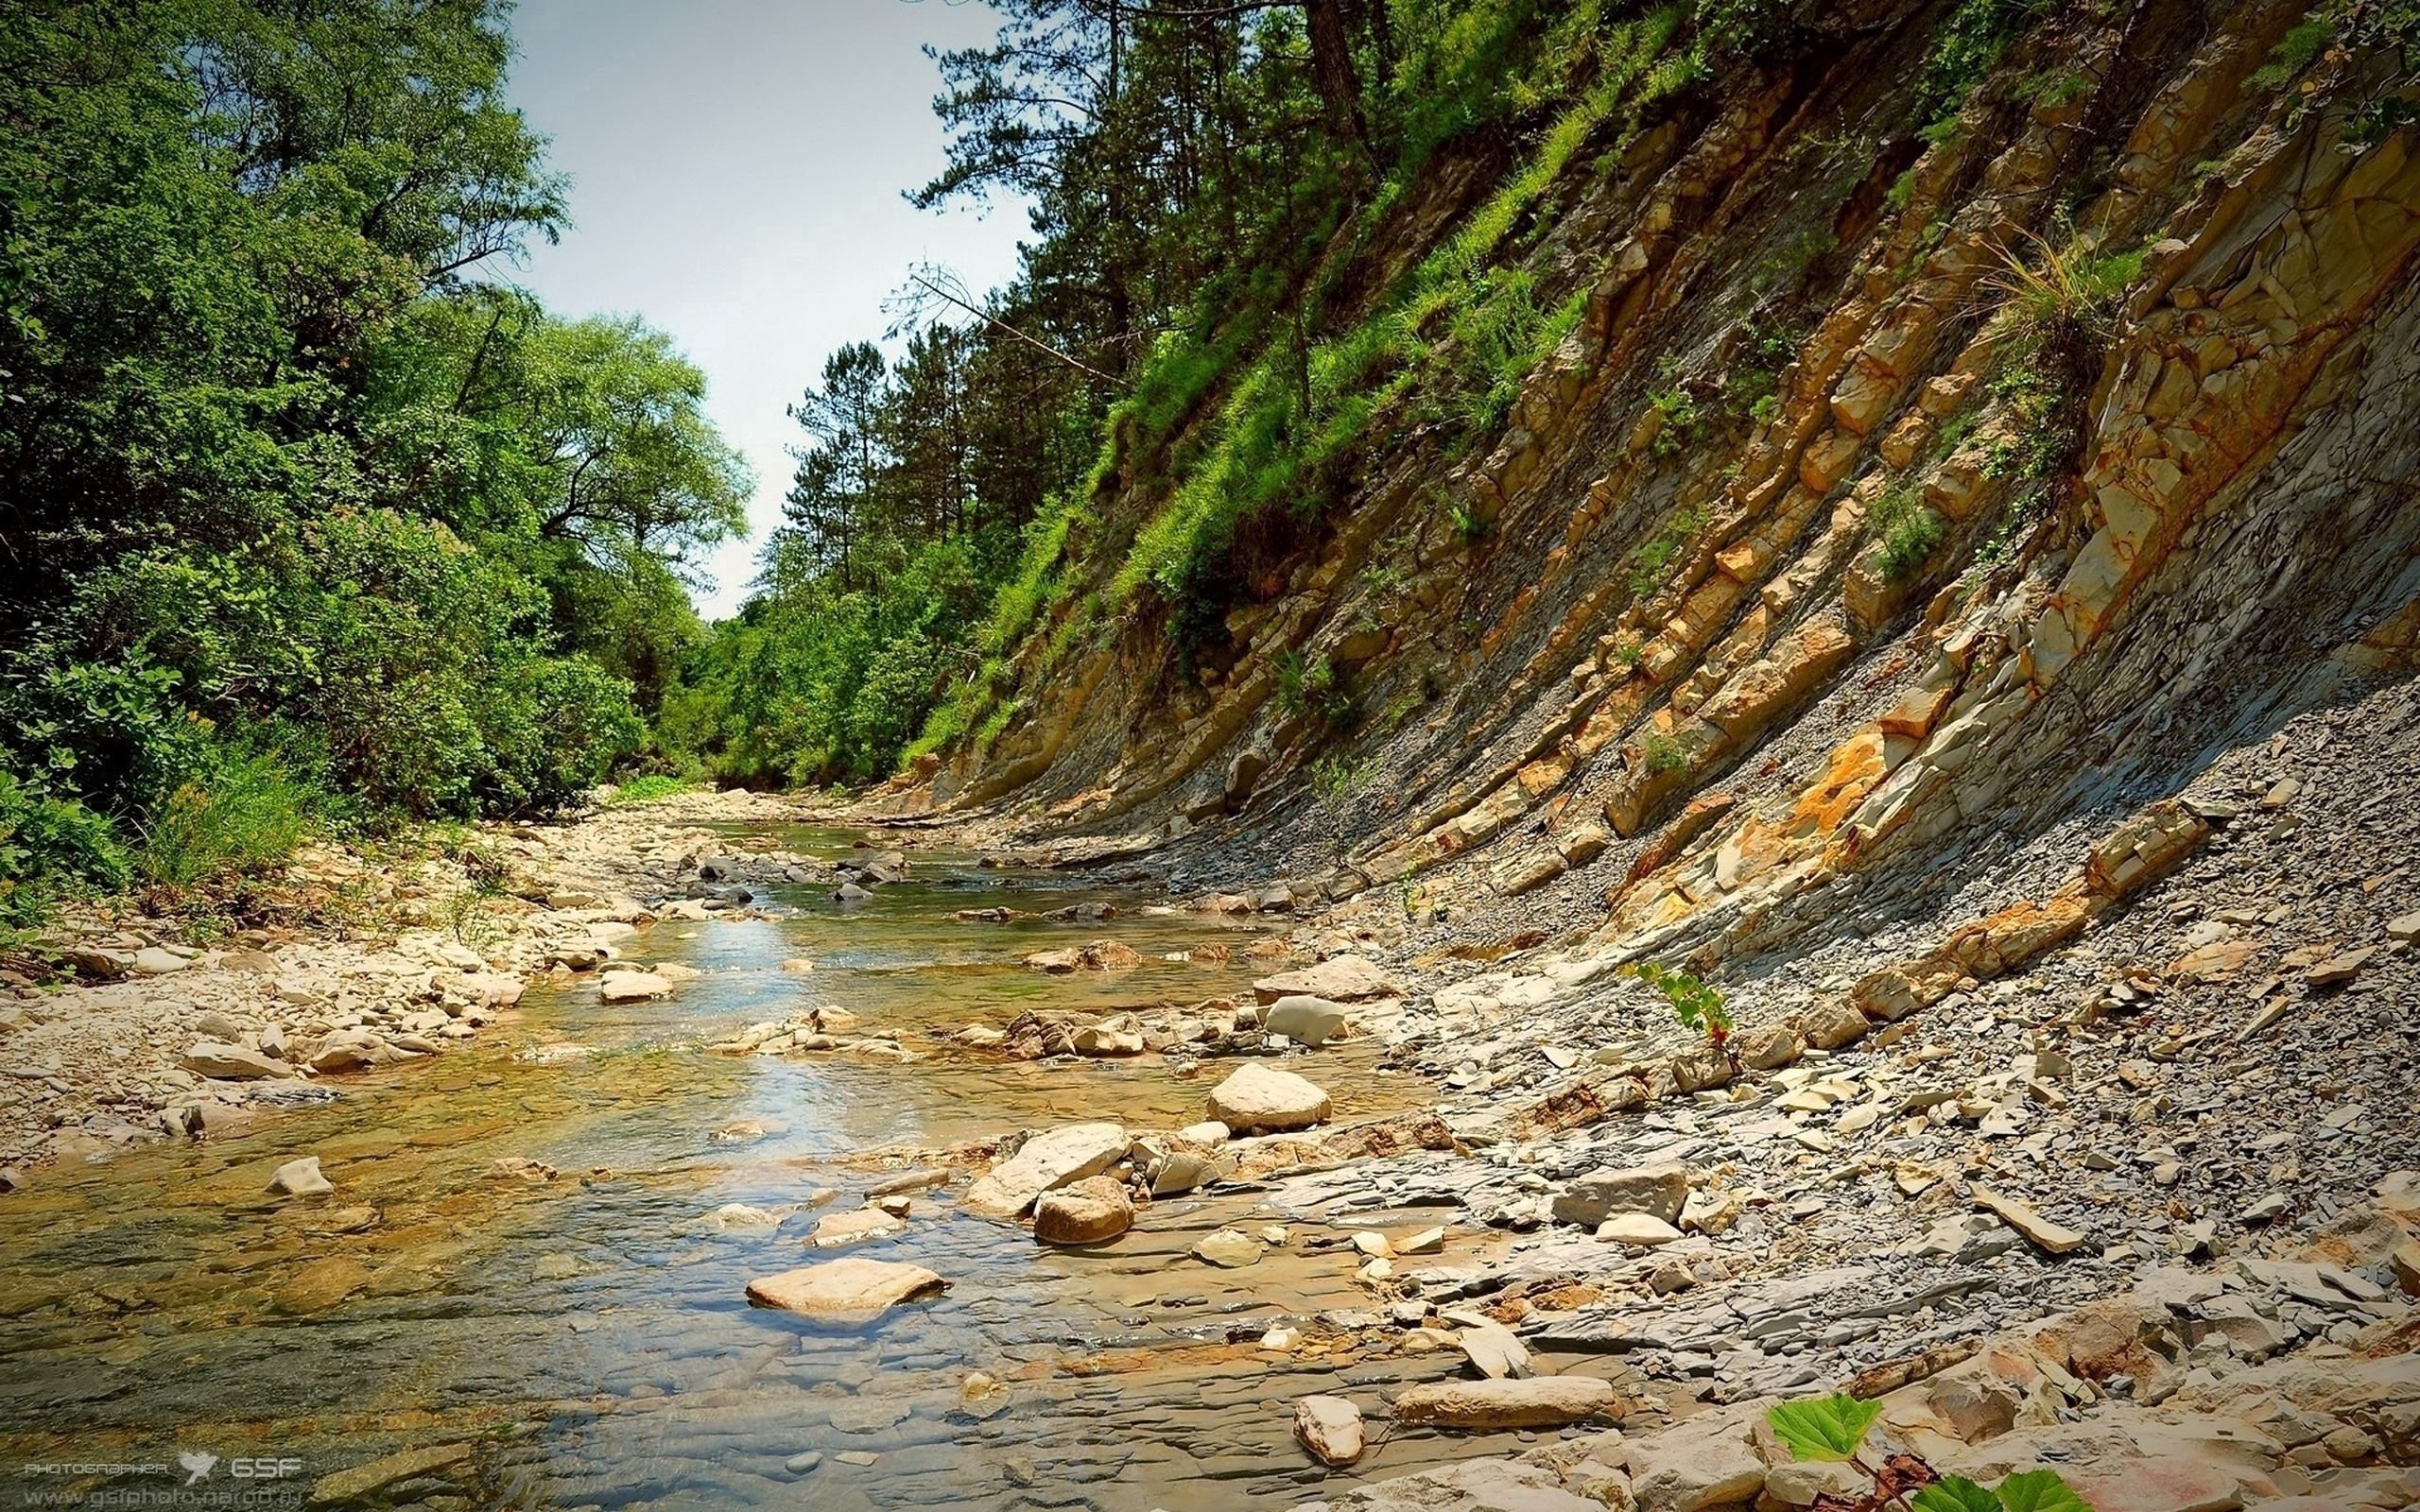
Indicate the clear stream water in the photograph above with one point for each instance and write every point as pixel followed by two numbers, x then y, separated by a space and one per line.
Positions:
pixel 591 1344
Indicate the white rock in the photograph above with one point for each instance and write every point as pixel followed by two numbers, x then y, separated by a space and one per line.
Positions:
pixel 301 1178
pixel 1330 1428
pixel 1258 1098
pixel 1305 1019
pixel 1640 1229
pixel 1046 1160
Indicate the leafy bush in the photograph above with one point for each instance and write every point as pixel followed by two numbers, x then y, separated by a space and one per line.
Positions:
pixel 50 846
pixel 1313 688
pixel 1907 531
pixel 242 816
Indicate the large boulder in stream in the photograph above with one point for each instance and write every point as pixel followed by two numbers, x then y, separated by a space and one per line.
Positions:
pixel 844 1290
pixel 1258 1099
pixel 1045 1162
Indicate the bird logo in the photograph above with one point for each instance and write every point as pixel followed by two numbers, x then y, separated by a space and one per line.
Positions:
pixel 197 1465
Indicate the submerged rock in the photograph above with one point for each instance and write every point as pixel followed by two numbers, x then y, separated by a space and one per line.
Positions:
pixel 845 1291
pixel 834 1229
pixel 631 987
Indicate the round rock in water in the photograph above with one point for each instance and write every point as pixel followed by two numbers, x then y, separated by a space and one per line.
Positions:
pixel 1091 1212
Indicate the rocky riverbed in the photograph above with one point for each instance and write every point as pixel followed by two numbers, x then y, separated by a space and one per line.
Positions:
pixel 918 1175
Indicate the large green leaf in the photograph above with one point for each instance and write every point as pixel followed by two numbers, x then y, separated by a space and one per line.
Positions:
pixel 2039 1491
pixel 1955 1493
pixel 1823 1428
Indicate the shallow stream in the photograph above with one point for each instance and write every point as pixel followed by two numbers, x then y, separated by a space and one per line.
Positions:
pixel 585 1340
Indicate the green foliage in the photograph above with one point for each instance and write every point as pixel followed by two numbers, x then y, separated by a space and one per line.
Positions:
pixel 1701 1010
pixel 1340 777
pixel 812 684
pixel 1968 46
pixel 1650 560
pixel 2053 87
pixel 2038 1491
pixel 312 523
pixel 645 789
pixel 2025 1491
pixel 1660 755
pixel 1472 331
pixel 2296 51
pixel 242 817
pixel 1907 530
pixel 1823 1428
pixel 1313 688
pixel 1955 1493
pixel 50 847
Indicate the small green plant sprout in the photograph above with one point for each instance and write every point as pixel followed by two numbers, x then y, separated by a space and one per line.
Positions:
pixel 1824 1428
pixel 2025 1491
pixel 1470 527
pixel 1696 1003
pixel 1661 753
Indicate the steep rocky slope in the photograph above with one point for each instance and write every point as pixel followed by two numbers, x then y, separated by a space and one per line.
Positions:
pixel 1909 495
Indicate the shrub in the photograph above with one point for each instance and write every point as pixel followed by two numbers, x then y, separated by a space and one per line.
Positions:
pixel 1660 754
pixel 49 847
pixel 242 817
pixel 1908 532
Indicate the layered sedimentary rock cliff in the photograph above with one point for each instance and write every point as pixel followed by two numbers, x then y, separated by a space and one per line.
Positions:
pixel 1906 494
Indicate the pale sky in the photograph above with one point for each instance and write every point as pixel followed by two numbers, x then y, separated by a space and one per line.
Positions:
pixel 736 170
